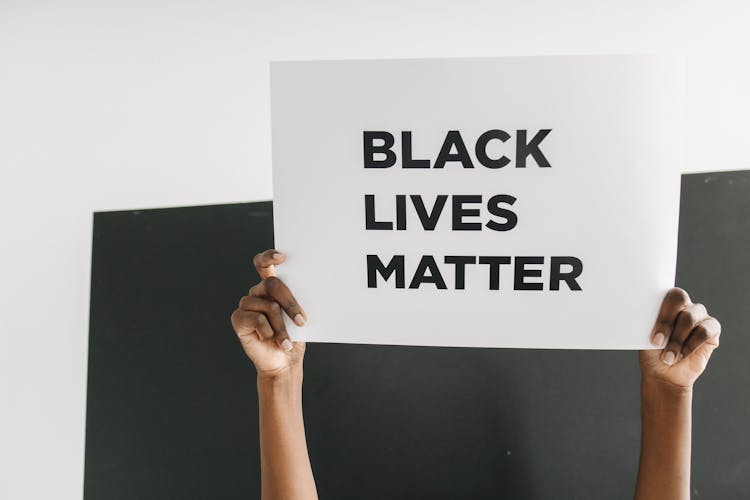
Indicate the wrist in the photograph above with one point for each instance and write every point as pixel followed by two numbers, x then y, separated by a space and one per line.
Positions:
pixel 291 375
pixel 664 390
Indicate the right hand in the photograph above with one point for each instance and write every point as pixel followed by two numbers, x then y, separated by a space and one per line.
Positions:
pixel 259 324
pixel 686 336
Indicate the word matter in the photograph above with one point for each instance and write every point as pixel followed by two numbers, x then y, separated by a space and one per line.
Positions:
pixel 528 271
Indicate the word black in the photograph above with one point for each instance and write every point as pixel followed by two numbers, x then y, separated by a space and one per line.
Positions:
pixel 453 141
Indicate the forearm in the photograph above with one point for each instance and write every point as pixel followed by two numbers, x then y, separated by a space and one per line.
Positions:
pixel 664 470
pixel 286 473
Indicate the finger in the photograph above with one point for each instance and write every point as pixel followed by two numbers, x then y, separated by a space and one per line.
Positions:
pixel 265 262
pixel 249 324
pixel 272 311
pixel 258 304
pixel 674 301
pixel 705 332
pixel 276 289
pixel 686 320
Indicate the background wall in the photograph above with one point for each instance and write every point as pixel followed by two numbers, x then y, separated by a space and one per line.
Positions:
pixel 108 105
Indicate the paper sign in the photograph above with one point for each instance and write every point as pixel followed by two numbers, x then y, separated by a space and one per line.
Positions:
pixel 495 202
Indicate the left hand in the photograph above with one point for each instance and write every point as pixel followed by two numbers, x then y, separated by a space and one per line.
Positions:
pixel 688 337
pixel 259 324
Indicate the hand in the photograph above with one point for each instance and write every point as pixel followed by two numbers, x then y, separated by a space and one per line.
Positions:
pixel 687 335
pixel 259 324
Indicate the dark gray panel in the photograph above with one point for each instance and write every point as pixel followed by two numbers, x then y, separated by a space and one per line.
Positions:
pixel 172 408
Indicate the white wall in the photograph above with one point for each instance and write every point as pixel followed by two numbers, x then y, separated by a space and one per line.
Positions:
pixel 132 104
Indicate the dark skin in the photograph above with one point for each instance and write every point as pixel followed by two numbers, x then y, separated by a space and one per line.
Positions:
pixel 668 375
pixel 684 336
pixel 284 462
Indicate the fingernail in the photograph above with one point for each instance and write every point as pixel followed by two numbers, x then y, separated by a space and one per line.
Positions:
pixel 669 358
pixel 276 255
pixel 299 319
pixel 287 345
pixel 658 339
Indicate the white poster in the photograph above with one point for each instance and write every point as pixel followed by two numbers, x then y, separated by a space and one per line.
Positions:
pixel 491 202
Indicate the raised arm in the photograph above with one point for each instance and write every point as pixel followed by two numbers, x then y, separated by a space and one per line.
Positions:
pixel 687 336
pixel 286 473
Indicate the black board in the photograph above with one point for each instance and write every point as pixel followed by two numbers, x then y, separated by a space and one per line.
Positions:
pixel 172 407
